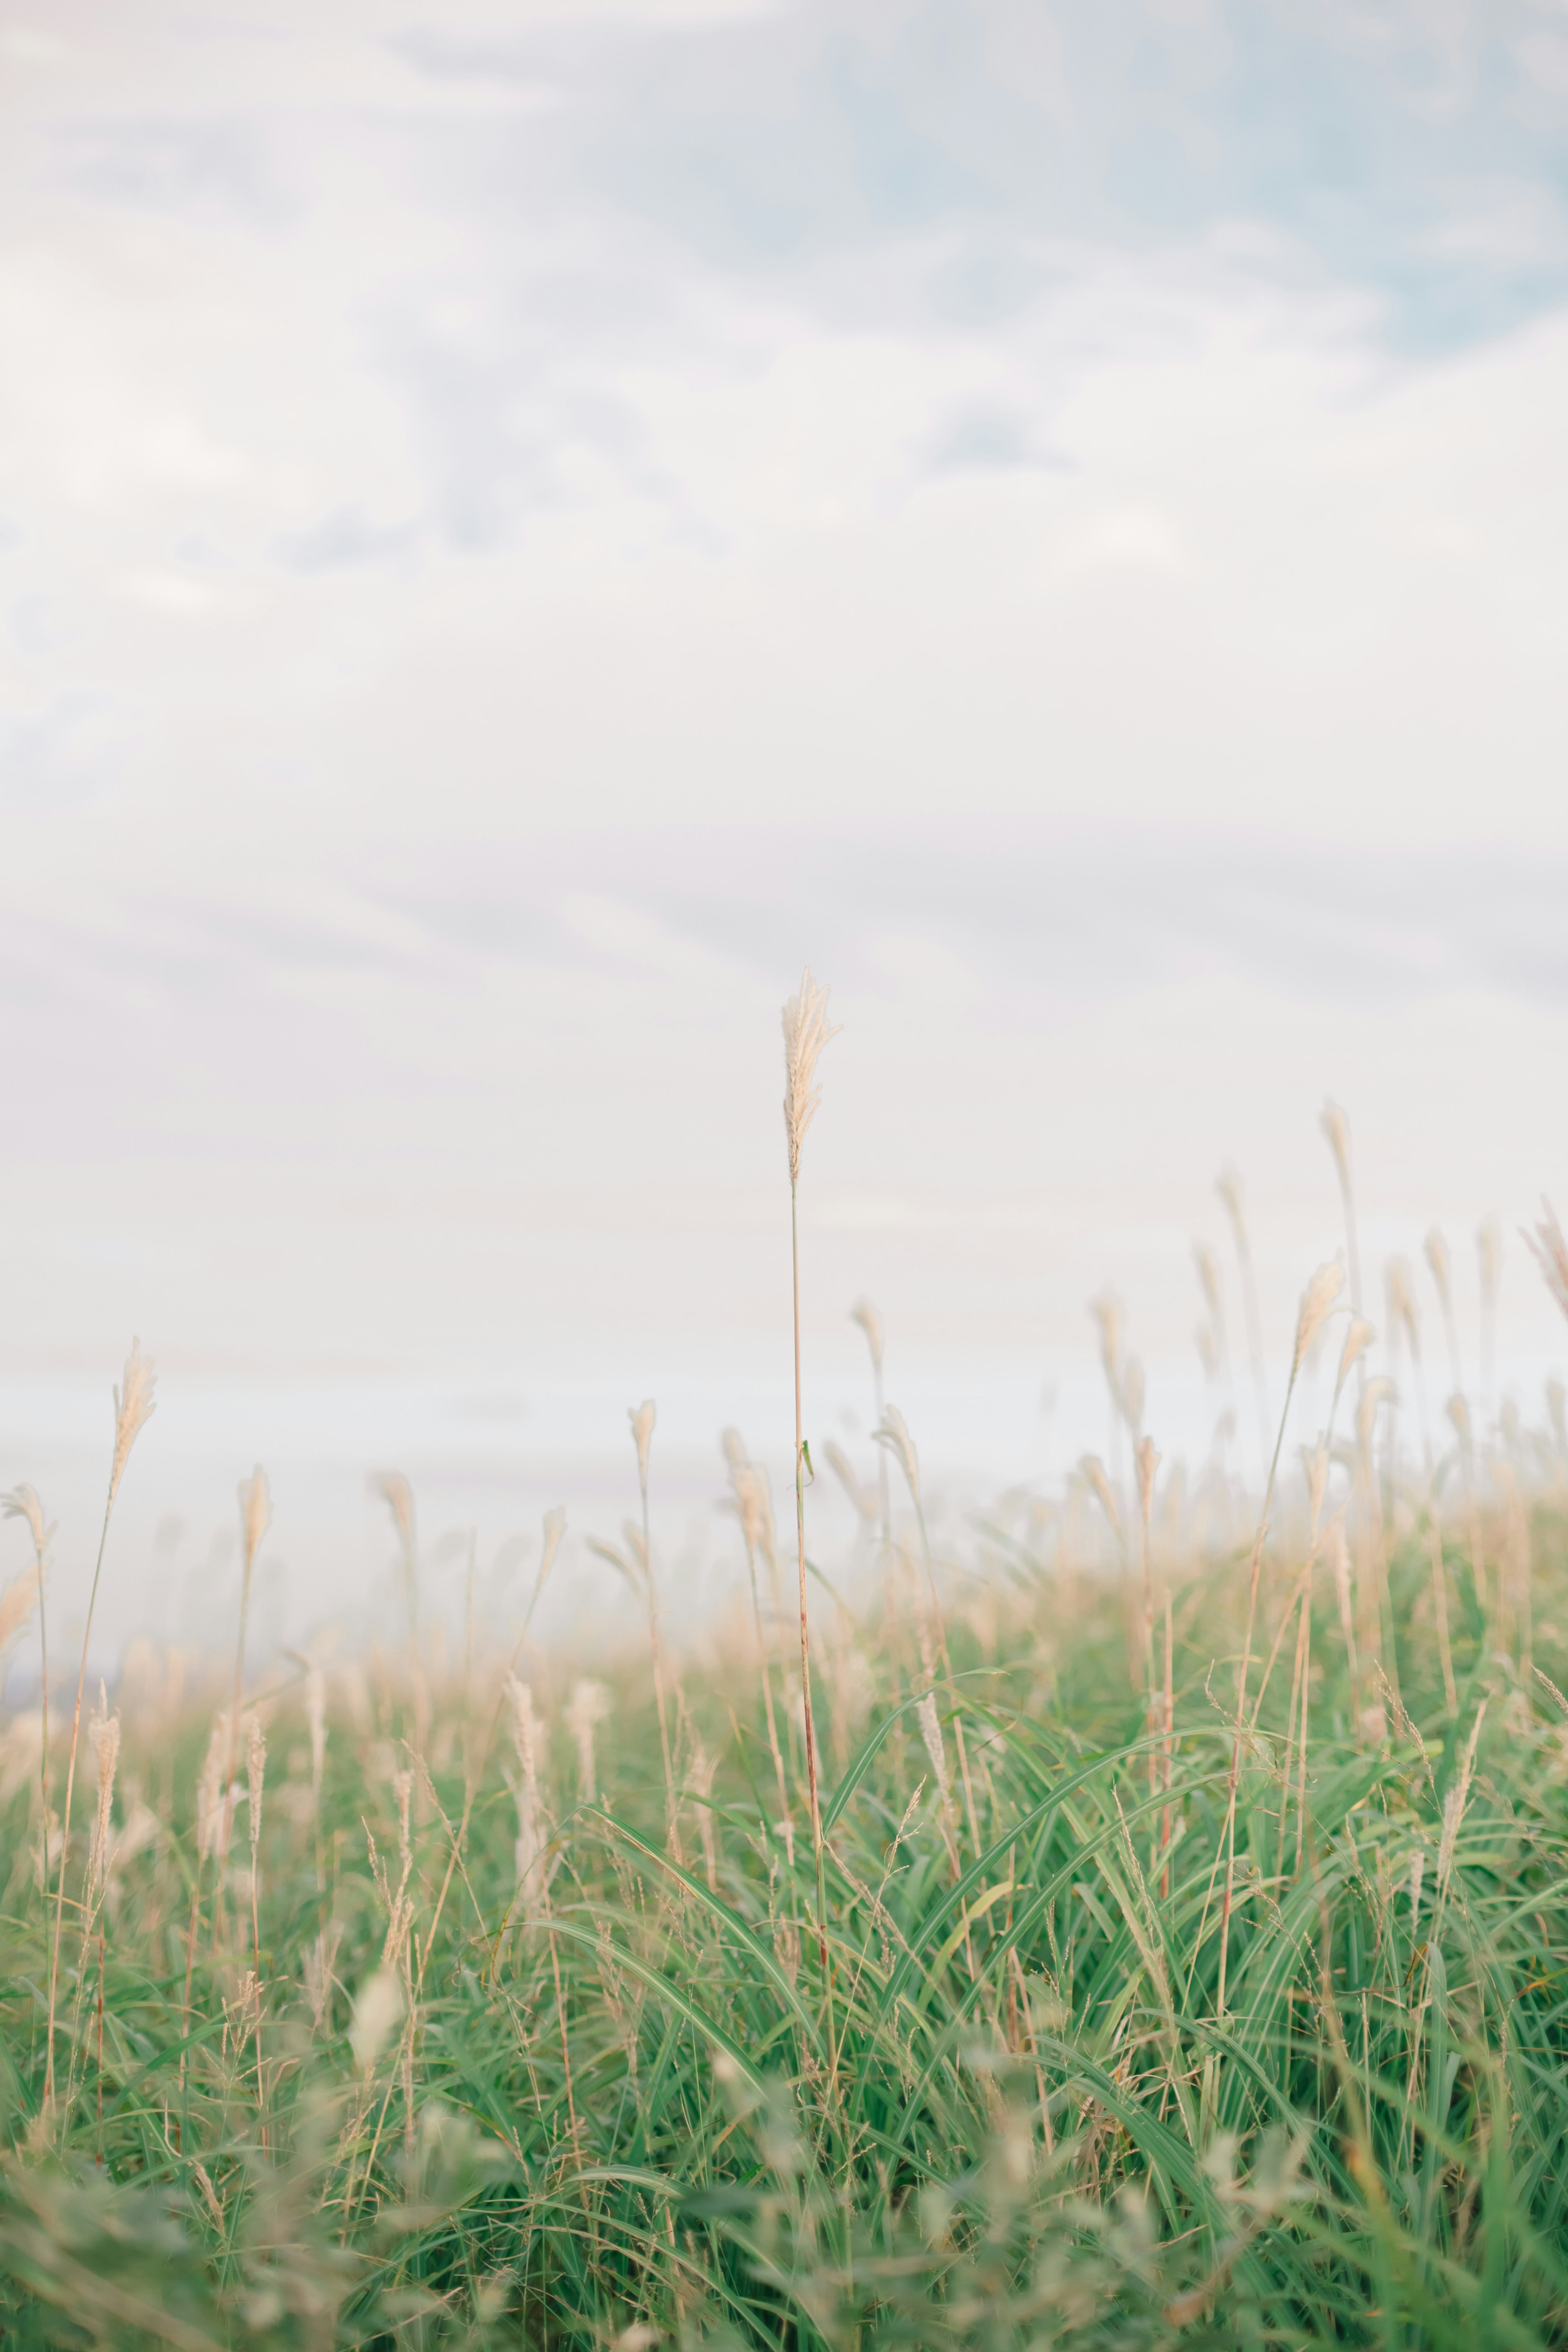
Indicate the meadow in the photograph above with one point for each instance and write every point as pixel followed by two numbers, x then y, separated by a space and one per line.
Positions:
pixel 1140 1918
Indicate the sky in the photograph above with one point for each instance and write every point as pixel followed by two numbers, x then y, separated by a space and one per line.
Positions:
pixel 521 525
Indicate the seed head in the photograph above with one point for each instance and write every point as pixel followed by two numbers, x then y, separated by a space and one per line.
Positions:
pixel 589 1706
pixel 133 1408
pixel 1227 1184
pixel 1401 1294
pixel 642 1418
pixel 23 1503
pixel 1317 1480
pixel 377 2009
pixel 398 1496
pixel 255 1514
pixel 1092 1469
pixel 865 1314
pixel 1336 1127
pixel 104 1731
pixel 255 1774
pixel 1436 1250
pixel 1373 1397
pixel 1489 1251
pixel 1107 1312
pixel 1316 1301
pixel 1357 1341
pixel 806 1032
pixel 1148 1462
pixel 931 1733
pixel 1550 1251
pixel 210 1790
pixel 1208 1267
pixel 17 1604
pixel 1132 1395
pixel 862 1497
pixel 892 1432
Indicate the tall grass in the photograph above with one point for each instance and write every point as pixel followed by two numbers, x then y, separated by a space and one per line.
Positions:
pixel 473 2057
pixel 1218 1996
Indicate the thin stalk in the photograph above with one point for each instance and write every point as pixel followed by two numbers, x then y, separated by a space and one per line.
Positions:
pixel 232 1767
pixel 805 1642
pixel 654 1641
pixel 767 1677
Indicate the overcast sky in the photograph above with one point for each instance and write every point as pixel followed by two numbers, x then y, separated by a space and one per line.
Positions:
pixel 518 527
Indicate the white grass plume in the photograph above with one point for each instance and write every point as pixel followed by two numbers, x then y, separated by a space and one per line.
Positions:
pixel 807 1030
pixel 1317 1302
pixel 133 1408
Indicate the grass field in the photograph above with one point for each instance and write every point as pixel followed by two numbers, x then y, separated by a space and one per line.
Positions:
pixel 498 2012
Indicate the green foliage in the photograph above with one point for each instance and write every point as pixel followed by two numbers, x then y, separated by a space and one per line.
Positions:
pixel 621 2105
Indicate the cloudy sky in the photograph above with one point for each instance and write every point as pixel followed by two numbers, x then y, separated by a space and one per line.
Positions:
pixel 520 526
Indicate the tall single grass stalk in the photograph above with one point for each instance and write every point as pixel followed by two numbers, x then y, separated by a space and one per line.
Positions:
pixel 643 1418
pixel 1336 1127
pixel 806 1032
pixel 870 1321
pixel 1227 1184
pixel 255 1518
pixel 133 1407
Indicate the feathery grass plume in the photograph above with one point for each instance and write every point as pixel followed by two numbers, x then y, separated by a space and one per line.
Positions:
pixel 1316 1466
pixel 1130 1397
pixel 893 1432
pixel 806 1031
pixel 255 1518
pixel 1489 1262
pixel 1317 1303
pixel 1092 1471
pixel 1227 1184
pixel 1550 1251
pixel 398 1496
pixel 23 1503
pixel 1106 1310
pixel 554 1530
pixel 1336 1129
pixel 643 1418
pixel 1207 1264
pixel 1404 1316
pixel 378 2008
pixel 133 1408
pixel 530 1847
pixel 1435 1250
pixel 210 1790
pixel 1357 1340
pixel 588 1706
pixel 16 1604
pixel 870 1321
pixel 103 1735
pixel 861 1499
